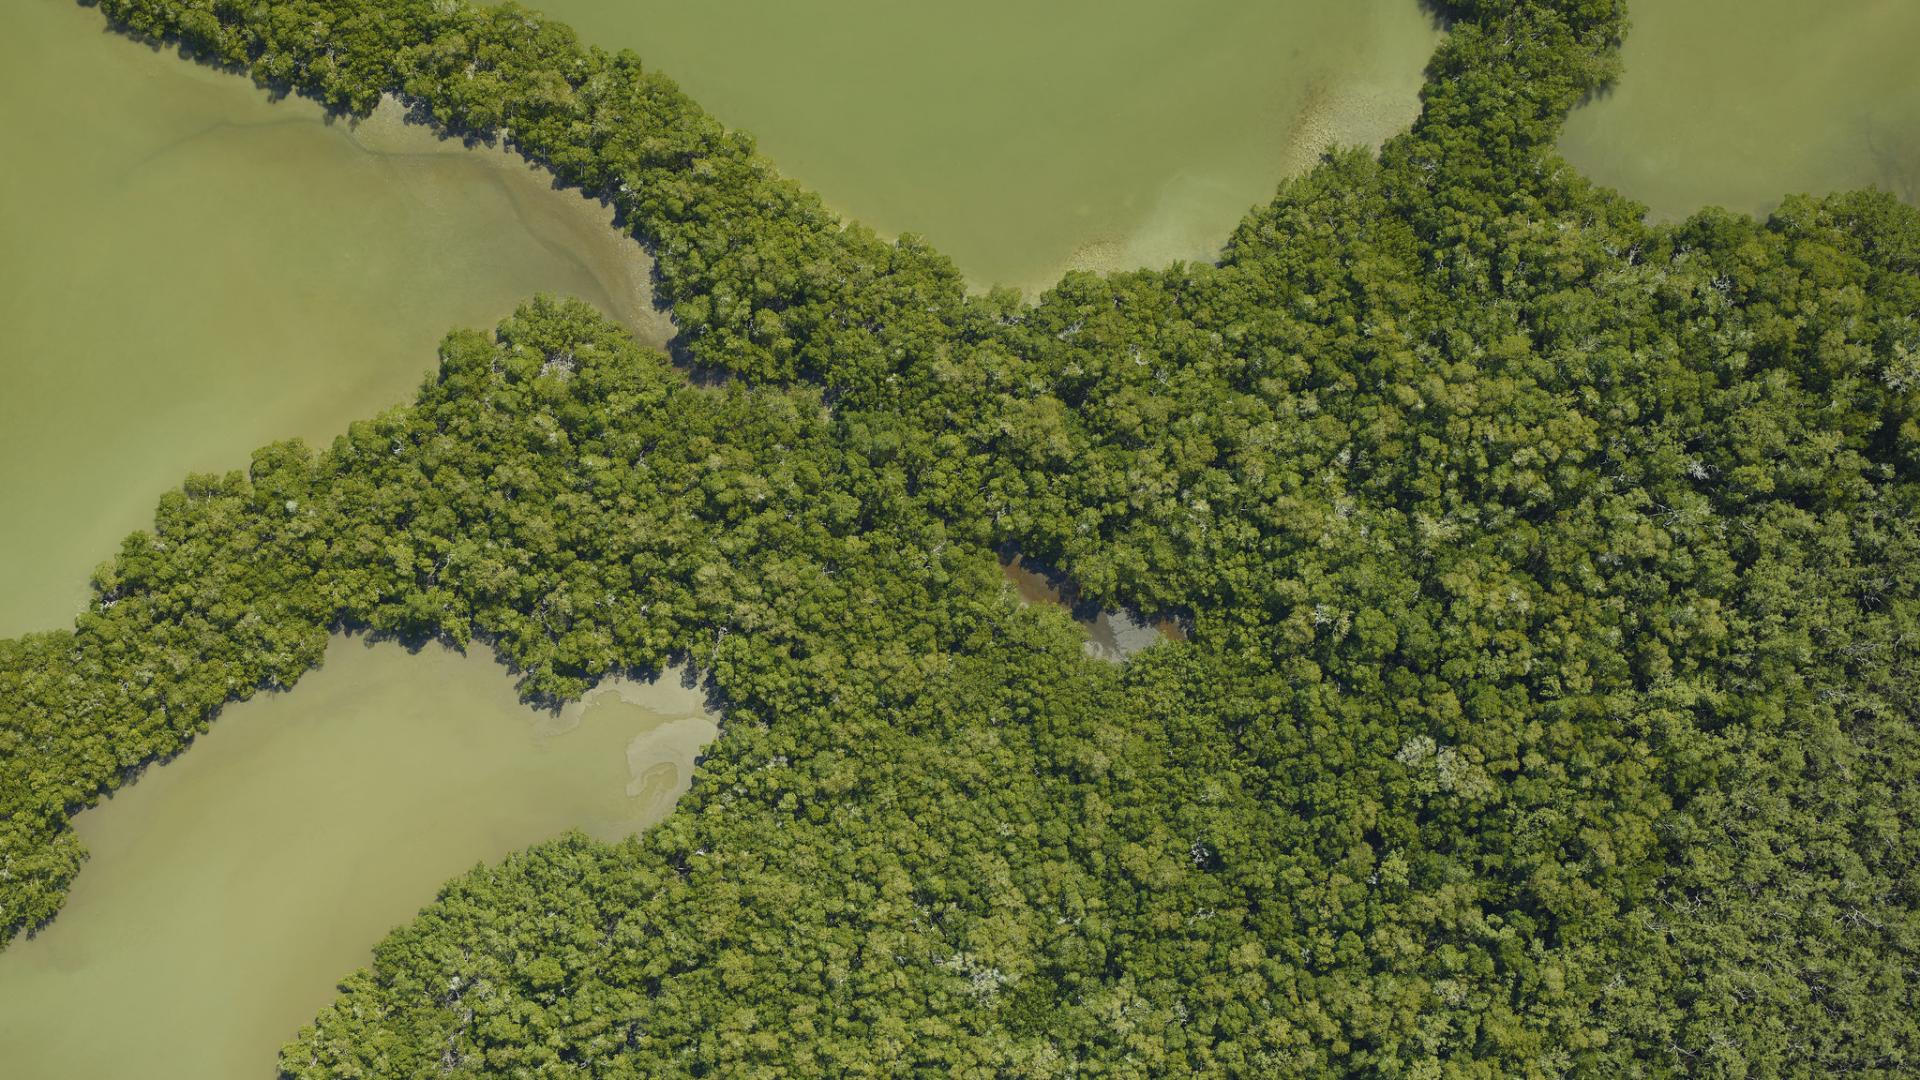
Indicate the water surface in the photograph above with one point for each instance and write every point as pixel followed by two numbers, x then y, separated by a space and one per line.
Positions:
pixel 1737 103
pixel 188 271
pixel 1113 635
pixel 1022 137
pixel 230 889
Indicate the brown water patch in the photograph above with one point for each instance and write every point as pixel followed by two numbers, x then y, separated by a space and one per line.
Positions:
pixel 1112 635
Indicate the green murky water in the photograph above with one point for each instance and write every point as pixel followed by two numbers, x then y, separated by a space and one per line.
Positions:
pixel 231 888
pixel 1737 103
pixel 1022 138
pixel 188 271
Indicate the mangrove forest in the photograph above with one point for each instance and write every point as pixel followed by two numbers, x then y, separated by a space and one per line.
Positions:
pixel 1542 681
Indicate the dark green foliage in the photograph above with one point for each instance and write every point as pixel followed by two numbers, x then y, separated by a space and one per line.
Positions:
pixel 1555 586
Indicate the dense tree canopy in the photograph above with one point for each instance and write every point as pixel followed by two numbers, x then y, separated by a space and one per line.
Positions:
pixel 1554 582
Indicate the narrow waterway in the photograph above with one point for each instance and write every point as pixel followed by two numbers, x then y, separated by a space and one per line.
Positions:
pixel 1737 103
pixel 230 889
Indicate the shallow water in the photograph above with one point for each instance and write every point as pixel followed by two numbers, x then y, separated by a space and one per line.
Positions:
pixel 1022 138
pixel 1737 103
pixel 229 890
pixel 188 271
